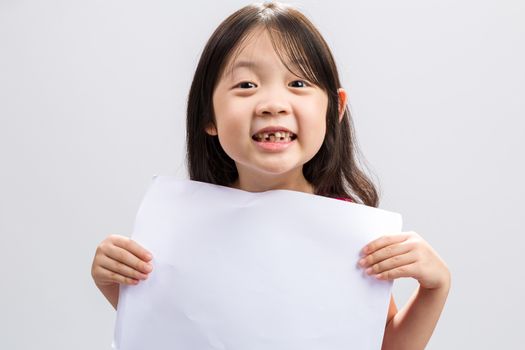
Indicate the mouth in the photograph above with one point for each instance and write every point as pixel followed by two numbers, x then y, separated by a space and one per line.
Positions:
pixel 274 136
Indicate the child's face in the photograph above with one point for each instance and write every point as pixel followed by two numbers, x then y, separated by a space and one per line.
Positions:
pixel 251 98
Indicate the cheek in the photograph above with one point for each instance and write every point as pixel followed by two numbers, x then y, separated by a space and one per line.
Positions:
pixel 315 121
pixel 232 126
pixel 231 119
pixel 318 135
pixel 227 112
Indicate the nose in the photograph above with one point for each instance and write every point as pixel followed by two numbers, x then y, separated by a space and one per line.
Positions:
pixel 273 105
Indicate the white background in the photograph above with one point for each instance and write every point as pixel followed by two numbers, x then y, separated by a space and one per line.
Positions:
pixel 92 105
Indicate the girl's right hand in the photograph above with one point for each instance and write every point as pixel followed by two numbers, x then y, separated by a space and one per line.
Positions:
pixel 119 260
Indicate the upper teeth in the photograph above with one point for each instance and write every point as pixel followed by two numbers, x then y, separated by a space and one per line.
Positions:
pixel 277 135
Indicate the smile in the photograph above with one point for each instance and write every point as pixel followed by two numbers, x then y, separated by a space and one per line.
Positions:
pixel 275 137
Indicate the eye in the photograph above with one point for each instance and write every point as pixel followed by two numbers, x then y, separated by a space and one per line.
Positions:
pixel 302 83
pixel 246 85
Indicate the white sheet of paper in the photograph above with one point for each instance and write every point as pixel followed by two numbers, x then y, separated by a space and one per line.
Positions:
pixel 235 270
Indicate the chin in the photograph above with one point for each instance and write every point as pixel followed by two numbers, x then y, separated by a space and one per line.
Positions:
pixel 279 170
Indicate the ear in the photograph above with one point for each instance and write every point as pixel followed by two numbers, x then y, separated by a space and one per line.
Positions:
pixel 211 130
pixel 342 103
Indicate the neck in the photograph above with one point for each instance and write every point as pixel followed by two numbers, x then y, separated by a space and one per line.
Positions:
pixel 292 182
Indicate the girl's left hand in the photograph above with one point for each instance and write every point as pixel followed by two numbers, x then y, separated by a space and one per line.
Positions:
pixel 405 255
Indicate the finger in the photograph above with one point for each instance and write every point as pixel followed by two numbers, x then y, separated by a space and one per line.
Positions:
pixel 383 242
pixel 115 277
pixel 385 253
pixel 125 257
pixel 391 263
pixel 398 272
pixel 133 247
pixel 124 270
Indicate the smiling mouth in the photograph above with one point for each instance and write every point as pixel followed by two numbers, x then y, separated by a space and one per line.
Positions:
pixel 277 136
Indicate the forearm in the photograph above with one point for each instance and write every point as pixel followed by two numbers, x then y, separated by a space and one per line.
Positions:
pixel 412 327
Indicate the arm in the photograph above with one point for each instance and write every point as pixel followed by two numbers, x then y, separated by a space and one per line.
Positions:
pixel 413 325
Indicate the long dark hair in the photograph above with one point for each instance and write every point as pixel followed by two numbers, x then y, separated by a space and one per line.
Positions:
pixel 333 171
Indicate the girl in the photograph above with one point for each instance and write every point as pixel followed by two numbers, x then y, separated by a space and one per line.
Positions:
pixel 266 111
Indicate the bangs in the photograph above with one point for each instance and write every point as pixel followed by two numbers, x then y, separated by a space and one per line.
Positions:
pixel 297 44
pixel 296 54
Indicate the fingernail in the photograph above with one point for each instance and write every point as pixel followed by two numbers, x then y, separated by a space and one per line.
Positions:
pixel 148 256
pixel 149 267
pixel 362 262
pixel 369 270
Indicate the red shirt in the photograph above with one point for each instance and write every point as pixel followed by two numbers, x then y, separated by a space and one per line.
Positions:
pixel 345 199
